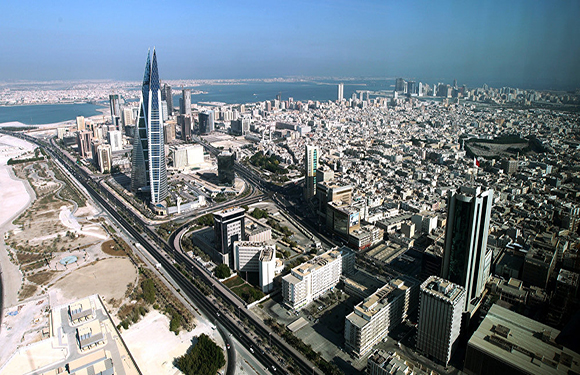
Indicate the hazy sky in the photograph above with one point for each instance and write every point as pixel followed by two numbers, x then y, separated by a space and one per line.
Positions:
pixel 526 43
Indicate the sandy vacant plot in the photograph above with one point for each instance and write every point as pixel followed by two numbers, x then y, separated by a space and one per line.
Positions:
pixel 154 347
pixel 108 278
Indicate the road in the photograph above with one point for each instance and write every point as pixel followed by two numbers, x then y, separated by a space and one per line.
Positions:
pixel 170 259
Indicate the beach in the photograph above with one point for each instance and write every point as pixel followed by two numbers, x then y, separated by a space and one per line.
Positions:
pixel 15 195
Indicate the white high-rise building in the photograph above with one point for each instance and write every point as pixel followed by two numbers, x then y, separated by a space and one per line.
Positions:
pixel 267 269
pixel 340 92
pixel 104 158
pixel 128 117
pixel 311 279
pixel 440 312
pixel 115 138
pixel 466 260
pixel 185 156
pixel 373 318
pixel 247 255
pixel 80 123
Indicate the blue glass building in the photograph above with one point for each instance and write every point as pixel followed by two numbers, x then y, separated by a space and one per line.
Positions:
pixel 149 173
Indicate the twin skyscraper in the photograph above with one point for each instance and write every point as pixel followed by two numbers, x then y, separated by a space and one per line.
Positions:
pixel 149 170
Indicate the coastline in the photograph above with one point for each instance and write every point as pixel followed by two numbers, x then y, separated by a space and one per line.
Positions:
pixel 14 203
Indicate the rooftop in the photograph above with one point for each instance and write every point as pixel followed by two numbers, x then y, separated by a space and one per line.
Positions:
pixel 523 343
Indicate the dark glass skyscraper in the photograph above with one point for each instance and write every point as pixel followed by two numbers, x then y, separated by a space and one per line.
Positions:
pixel 149 171
pixel 466 260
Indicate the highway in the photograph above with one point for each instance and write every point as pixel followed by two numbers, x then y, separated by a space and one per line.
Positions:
pixel 168 257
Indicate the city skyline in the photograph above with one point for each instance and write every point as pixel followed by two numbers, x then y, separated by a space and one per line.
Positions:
pixel 519 45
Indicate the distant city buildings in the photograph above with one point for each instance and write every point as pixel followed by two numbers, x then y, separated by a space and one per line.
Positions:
pixel 185 102
pixel 167 96
pixel 148 172
pixel 206 122
pixel 115 108
pixel 340 92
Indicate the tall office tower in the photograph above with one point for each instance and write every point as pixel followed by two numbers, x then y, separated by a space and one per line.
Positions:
pixel 240 126
pixel 185 102
pixel 115 108
pixel 149 172
pixel 80 123
pixel 465 258
pixel 167 95
pixel 411 87
pixel 206 122
pixel 84 139
pixel 454 83
pixel 279 97
pixel 184 122
pixel 440 310
pixel 226 173
pixel 104 158
pixel 310 166
pixel 421 89
pixel 400 85
pixel 127 118
pixel 340 92
pixel 229 227
pixel 169 132
pixel 115 140
pixel 165 116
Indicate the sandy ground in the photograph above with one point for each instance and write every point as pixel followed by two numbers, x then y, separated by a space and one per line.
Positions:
pixel 15 196
pixel 108 278
pixel 154 347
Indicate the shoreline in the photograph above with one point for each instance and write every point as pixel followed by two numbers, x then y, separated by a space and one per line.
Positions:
pixel 11 188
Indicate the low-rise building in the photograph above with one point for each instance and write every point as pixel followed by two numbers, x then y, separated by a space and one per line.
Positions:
pixel 509 343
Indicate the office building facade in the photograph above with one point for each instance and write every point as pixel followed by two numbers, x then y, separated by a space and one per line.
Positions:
pixel 115 140
pixel 229 227
pixel 167 95
pixel 206 122
pixel 226 174
pixel 340 92
pixel 310 165
pixel 149 171
pixel 466 261
pixel 440 310
pixel 378 314
pixel 115 108
pixel 311 279
pixel 185 102
pixel 104 158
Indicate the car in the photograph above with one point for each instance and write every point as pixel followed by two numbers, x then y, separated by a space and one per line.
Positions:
pixel 251 350
pixel 273 368
pixel 228 346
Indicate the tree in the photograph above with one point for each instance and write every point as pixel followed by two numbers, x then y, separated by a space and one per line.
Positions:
pixel 148 290
pixel 222 271
pixel 204 358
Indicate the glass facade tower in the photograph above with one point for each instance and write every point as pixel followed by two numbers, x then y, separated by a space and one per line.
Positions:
pixel 149 171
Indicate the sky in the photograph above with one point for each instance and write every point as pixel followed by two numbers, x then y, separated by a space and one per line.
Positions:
pixel 502 43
